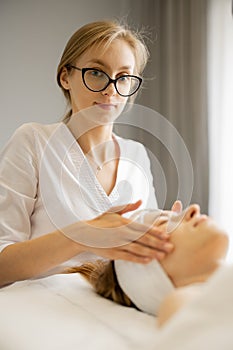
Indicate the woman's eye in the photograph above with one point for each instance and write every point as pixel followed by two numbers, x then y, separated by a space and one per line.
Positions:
pixel 96 73
pixel 124 79
pixel 162 220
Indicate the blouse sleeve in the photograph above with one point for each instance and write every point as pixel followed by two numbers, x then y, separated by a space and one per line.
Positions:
pixel 18 186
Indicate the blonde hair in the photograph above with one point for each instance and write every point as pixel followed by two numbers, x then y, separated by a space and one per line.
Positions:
pixel 101 33
pixel 101 275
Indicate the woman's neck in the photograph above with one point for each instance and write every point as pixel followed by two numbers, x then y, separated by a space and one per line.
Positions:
pixel 198 277
pixel 98 137
pixel 88 134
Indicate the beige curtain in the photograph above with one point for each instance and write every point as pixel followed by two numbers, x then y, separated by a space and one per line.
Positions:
pixel 175 86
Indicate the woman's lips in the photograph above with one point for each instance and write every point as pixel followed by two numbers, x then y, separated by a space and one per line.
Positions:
pixel 105 106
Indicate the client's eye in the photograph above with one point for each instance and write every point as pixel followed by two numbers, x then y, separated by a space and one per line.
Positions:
pixel 174 221
pixel 160 220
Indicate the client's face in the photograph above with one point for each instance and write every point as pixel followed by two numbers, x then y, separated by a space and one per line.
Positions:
pixel 199 246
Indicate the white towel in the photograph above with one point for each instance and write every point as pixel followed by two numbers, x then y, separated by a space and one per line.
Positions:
pixel 146 285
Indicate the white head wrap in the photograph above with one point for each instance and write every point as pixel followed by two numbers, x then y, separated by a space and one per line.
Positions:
pixel 145 285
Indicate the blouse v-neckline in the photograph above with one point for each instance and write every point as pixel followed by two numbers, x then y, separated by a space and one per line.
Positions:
pixel 81 161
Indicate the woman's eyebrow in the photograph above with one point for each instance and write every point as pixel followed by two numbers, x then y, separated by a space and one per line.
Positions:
pixel 178 216
pixel 104 64
pixel 160 213
pixel 172 215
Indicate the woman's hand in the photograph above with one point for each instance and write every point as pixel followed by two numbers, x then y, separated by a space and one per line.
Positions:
pixel 114 237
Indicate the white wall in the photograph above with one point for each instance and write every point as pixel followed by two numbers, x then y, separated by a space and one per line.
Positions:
pixel 220 112
pixel 32 37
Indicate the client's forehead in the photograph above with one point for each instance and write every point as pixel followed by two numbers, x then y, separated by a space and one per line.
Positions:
pixel 160 217
pixel 169 214
pixel 169 218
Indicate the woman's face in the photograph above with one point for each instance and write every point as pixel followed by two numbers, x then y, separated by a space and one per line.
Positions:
pixel 199 245
pixel 118 59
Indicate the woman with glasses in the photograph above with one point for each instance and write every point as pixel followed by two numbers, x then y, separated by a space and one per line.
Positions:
pixel 60 182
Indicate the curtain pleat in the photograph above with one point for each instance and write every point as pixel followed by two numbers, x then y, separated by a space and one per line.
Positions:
pixel 176 87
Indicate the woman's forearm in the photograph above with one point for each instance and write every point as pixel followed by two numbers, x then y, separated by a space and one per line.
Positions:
pixel 109 235
pixel 32 258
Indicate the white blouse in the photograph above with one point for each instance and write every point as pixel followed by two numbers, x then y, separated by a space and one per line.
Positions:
pixel 46 182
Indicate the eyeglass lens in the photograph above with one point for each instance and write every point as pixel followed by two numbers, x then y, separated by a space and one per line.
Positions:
pixel 97 81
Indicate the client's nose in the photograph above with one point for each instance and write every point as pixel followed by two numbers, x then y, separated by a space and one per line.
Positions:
pixel 192 211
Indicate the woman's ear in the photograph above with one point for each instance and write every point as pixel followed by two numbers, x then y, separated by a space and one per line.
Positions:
pixel 64 79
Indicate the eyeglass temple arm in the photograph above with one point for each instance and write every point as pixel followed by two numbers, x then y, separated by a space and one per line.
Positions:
pixel 69 66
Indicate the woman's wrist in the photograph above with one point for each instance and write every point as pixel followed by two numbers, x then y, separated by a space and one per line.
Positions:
pixel 73 245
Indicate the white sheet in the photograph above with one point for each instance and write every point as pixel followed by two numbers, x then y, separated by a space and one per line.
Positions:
pixel 63 313
pixel 206 323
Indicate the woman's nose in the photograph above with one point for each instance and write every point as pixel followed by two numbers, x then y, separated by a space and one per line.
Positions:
pixel 110 90
pixel 192 211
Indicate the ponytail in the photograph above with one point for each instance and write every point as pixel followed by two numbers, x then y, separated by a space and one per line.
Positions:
pixel 102 276
pixel 67 116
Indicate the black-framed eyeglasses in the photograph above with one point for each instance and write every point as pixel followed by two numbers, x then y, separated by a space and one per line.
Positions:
pixel 97 80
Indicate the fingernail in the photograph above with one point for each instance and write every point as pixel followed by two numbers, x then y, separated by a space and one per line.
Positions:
pixel 164 236
pixel 160 255
pixel 168 246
